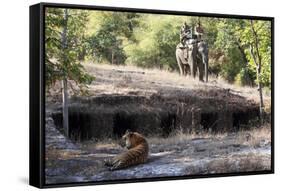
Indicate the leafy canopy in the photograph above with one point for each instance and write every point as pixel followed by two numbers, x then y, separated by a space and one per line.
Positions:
pixel 64 62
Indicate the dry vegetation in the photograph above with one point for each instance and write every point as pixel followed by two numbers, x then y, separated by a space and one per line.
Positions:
pixel 172 79
pixel 239 163
pixel 132 80
pixel 256 136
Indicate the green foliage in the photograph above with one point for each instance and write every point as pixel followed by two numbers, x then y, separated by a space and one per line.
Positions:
pixel 156 39
pixel 149 40
pixel 227 42
pixel 242 78
pixel 110 32
pixel 263 29
pixel 64 62
pixel 234 39
pixel 232 65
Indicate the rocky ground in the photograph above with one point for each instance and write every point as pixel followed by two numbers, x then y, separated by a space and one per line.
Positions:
pixel 177 155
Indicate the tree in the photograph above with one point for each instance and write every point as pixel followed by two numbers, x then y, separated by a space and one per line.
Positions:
pixel 64 40
pixel 252 41
pixel 235 66
pixel 109 33
pixel 156 38
pixel 257 58
pixel 64 80
pixel 256 36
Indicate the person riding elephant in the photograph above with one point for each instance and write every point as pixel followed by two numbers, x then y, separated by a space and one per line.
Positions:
pixel 199 31
pixel 192 52
pixel 185 35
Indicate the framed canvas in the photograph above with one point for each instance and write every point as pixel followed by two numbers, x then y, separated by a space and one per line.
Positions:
pixel 129 95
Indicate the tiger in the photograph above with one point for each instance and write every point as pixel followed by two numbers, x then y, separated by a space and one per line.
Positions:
pixel 137 152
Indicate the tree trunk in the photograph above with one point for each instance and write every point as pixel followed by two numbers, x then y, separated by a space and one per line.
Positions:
pixel 112 56
pixel 261 99
pixel 64 81
pixel 65 107
pixel 257 59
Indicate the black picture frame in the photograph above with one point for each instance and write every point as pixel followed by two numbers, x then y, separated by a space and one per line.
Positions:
pixel 37 93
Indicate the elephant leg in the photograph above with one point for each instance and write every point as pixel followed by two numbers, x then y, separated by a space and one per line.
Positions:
pixel 180 64
pixel 184 69
pixel 180 67
pixel 193 60
pixel 188 69
pixel 193 69
pixel 204 65
pixel 191 63
pixel 205 59
pixel 201 72
pixel 203 49
pixel 206 72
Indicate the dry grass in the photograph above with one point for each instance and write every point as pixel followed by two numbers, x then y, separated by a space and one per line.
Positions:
pixel 173 79
pixel 128 79
pixel 107 144
pixel 179 136
pixel 252 138
pixel 255 137
pixel 60 154
pixel 241 163
pixel 152 74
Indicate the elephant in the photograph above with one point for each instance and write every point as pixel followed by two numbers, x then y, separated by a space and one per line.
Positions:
pixel 197 59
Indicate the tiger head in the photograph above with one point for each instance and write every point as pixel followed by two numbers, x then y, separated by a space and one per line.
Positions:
pixel 132 139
